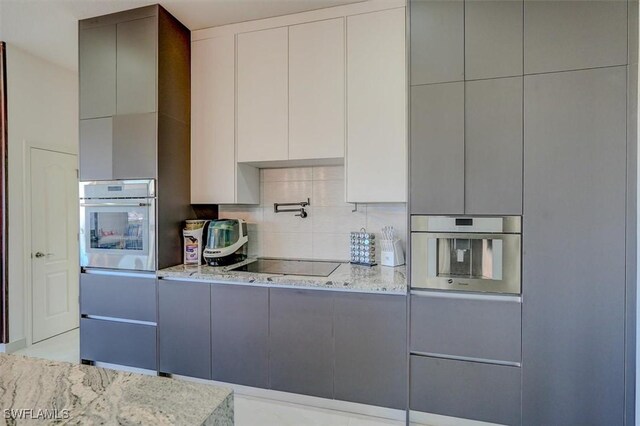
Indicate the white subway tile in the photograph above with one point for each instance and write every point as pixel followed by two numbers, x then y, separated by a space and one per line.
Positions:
pixel 288 174
pixel 338 220
pixel 328 173
pixel 331 246
pixel 328 193
pixel 288 245
pixel 286 222
pixel 286 192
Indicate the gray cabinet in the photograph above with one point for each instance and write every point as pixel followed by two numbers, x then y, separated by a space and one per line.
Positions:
pixel 97 69
pixel 437 41
pixel 96 149
pixel 574 247
pixel 119 343
pixel 135 146
pixel 437 148
pixel 240 334
pixel 136 66
pixel 466 325
pixel 184 327
pixel 117 296
pixel 301 341
pixel 566 35
pixel 370 349
pixel 471 390
pixel 493 32
pixel 493 146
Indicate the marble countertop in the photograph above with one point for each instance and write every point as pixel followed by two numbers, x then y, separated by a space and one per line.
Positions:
pixel 36 391
pixel 348 277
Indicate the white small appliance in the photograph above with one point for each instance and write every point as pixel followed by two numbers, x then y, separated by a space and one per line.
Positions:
pixel 226 242
pixel 194 234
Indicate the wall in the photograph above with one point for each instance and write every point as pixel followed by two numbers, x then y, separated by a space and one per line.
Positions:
pixel 42 111
pixel 324 234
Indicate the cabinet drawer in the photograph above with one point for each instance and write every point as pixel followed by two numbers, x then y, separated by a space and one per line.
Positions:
pixel 471 390
pixel 120 343
pixel 481 327
pixel 118 296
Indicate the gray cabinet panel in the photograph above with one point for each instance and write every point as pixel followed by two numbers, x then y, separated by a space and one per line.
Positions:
pixel 470 327
pixel 135 146
pixel 370 349
pixel 97 67
pixel 136 66
pixel 301 343
pixel 471 390
pixel 565 35
pixel 574 247
pixel 184 327
pixel 240 334
pixel 96 149
pixel 493 146
pixel 119 343
pixel 437 41
pixel 118 297
pixel 493 34
pixel 437 149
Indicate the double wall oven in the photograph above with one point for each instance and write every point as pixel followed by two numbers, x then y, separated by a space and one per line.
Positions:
pixel 478 254
pixel 118 225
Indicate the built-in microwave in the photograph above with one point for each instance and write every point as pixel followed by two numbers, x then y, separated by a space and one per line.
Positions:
pixel 118 225
pixel 479 254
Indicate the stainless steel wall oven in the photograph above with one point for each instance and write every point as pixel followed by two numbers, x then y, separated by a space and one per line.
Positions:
pixel 479 254
pixel 118 225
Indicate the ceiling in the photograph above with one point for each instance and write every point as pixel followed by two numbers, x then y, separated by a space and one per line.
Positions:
pixel 48 28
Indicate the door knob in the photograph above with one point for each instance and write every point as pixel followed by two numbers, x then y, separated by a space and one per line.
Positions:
pixel 40 254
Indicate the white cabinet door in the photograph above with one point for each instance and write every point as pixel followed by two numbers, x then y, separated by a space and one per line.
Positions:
pixel 316 90
pixel 263 100
pixel 376 160
pixel 215 177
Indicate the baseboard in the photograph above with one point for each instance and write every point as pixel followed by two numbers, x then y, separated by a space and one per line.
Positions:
pixel 310 401
pixel 125 368
pixel 420 418
pixel 11 347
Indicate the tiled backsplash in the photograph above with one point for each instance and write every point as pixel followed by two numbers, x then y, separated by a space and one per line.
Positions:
pixel 324 234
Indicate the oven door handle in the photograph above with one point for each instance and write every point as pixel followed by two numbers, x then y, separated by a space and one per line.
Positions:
pixel 115 204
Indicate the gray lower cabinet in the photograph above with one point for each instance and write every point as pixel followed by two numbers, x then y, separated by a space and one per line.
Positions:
pixel 437 148
pixel 184 327
pixel 437 41
pixel 470 390
pixel 117 296
pixel 573 319
pixel 118 342
pixel 476 327
pixel 493 145
pixel 370 349
pixel 240 334
pixel 301 341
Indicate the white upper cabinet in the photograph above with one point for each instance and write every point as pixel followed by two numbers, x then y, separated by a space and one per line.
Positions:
pixel 263 101
pixel 215 176
pixel 316 90
pixel 376 159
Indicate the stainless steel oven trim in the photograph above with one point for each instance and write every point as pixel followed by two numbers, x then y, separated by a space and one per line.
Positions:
pixel 481 224
pixel 511 276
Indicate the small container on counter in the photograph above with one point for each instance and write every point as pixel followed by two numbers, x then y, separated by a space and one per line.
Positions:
pixel 363 248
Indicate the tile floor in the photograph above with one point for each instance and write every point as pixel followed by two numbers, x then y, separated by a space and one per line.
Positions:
pixel 249 410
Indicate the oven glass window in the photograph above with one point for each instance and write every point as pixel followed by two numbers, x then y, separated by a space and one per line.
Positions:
pixel 116 230
pixel 471 258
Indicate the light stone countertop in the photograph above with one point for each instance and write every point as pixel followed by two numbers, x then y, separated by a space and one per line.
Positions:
pixel 348 277
pixel 82 394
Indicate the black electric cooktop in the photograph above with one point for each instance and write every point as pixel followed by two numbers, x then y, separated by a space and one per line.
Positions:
pixel 289 267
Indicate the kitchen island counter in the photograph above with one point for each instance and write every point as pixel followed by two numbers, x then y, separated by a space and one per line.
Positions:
pixel 348 277
pixel 34 390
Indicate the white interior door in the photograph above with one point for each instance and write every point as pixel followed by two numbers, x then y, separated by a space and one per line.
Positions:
pixel 54 243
